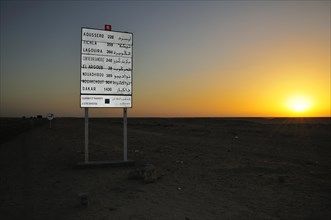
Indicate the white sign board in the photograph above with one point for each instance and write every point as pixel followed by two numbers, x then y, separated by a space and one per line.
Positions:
pixel 106 69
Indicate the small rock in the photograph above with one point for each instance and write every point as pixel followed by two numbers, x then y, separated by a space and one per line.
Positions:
pixel 135 174
pixel 84 200
pixel 158 151
pixel 112 209
pixel 281 179
pixel 149 174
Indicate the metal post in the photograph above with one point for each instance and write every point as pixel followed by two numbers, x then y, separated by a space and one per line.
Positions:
pixel 86 135
pixel 50 123
pixel 125 134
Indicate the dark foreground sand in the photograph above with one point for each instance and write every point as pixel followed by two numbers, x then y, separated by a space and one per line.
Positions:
pixel 208 168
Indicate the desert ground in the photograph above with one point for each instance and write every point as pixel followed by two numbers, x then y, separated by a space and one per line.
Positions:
pixel 205 168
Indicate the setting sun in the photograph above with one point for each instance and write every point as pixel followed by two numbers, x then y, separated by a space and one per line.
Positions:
pixel 299 104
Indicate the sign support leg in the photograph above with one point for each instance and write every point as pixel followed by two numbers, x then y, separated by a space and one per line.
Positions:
pixel 125 151
pixel 86 135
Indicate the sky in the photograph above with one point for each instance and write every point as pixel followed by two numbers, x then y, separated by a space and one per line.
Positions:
pixel 190 58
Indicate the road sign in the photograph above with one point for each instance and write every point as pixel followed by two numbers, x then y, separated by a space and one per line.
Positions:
pixel 106 69
pixel 50 116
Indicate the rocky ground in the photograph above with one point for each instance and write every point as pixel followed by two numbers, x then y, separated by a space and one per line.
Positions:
pixel 202 168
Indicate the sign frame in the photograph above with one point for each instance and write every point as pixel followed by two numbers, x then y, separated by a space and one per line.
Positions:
pixel 125 161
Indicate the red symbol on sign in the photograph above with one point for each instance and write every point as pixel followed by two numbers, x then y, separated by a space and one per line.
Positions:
pixel 108 27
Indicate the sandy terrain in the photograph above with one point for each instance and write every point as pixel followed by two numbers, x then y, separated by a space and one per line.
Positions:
pixel 207 169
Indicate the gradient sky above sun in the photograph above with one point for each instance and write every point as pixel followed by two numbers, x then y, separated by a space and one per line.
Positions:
pixel 191 59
